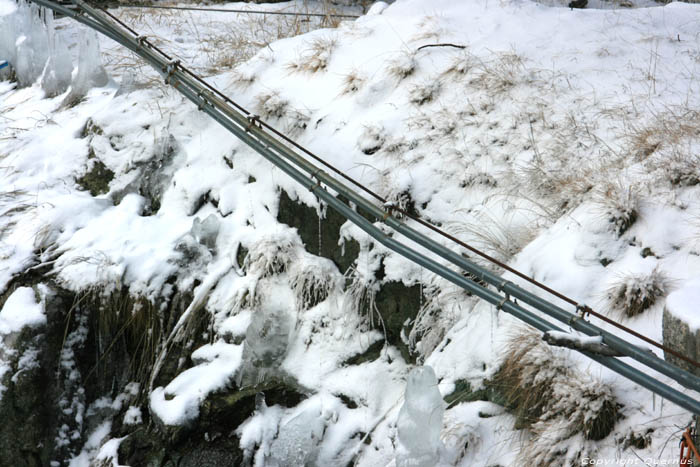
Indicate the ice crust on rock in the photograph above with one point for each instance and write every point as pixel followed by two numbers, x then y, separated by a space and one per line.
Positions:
pixel 265 346
pixel 206 231
pixel 420 420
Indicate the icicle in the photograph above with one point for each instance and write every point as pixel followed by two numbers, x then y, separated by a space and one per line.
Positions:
pixel 56 75
pixel 320 213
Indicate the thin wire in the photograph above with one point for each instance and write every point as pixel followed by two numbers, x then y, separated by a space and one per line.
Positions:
pixel 584 309
pixel 252 12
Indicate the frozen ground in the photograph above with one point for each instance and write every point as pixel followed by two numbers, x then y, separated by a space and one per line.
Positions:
pixel 564 142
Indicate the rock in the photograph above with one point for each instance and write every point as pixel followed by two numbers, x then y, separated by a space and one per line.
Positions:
pixel 678 336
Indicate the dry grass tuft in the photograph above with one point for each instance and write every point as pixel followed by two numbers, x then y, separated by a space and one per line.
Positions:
pixel 556 403
pixel 353 82
pixel 319 54
pixel 360 298
pixel 242 79
pixel 271 256
pixel 500 74
pixel 619 204
pixel 423 93
pixel 499 237
pixel 402 66
pixel 463 63
pixel 313 282
pixel 668 143
pixel 631 294
pixel 270 104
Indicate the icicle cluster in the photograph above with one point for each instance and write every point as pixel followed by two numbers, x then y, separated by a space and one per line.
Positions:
pixel 36 53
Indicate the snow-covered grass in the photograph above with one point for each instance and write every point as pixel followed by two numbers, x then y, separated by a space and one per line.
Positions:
pixel 563 142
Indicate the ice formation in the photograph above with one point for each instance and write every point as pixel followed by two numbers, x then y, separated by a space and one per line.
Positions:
pixel 265 347
pixel 420 420
pixel 34 50
pixel 56 75
pixel 206 231
pixel 90 72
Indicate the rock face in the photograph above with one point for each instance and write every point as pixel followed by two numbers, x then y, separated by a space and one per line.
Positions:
pixel 95 344
pixel 678 336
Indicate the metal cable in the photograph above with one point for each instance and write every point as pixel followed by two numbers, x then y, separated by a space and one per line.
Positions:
pixel 270 148
pixel 584 309
pixel 252 12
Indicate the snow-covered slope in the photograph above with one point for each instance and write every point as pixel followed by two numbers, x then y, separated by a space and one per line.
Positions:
pixel 564 142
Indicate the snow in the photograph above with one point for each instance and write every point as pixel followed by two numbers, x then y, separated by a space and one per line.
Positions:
pixel 571 338
pixel 684 302
pixel 178 402
pixel 22 309
pixel 525 143
pixel 133 416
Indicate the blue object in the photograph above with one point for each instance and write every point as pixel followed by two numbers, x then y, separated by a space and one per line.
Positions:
pixel 3 64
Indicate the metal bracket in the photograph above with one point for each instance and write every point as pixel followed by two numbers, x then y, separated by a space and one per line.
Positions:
pixel 170 68
pixel 252 120
pixel 499 307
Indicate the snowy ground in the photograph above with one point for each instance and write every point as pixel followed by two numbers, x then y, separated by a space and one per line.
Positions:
pixel 562 141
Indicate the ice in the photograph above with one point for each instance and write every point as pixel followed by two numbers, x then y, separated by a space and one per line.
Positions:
pixel 56 76
pixel 265 347
pixel 206 231
pixel 298 436
pixel 24 43
pixel 34 50
pixel 420 420
pixel 90 72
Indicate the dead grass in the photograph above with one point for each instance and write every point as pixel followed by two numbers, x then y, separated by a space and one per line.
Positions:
pixel 402 66
pixel 632 294
pixel 224 43
pixel 619 203
pixel 499 237
pixel 360 299
pixel 269 104
pixel 313 281
pixel 316 57
pixel 423 93
pixel 352 82
pixel 552 400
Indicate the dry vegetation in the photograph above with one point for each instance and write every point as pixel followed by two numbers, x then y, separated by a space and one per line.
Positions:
pixel 555 402
pixel 631 294
pixel 221 41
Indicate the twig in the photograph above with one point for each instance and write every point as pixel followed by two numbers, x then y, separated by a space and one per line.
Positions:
pixel 446 44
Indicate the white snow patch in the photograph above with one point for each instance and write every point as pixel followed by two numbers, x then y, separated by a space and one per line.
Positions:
pixel 684 304
pixel 178 402
pixel 21 309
